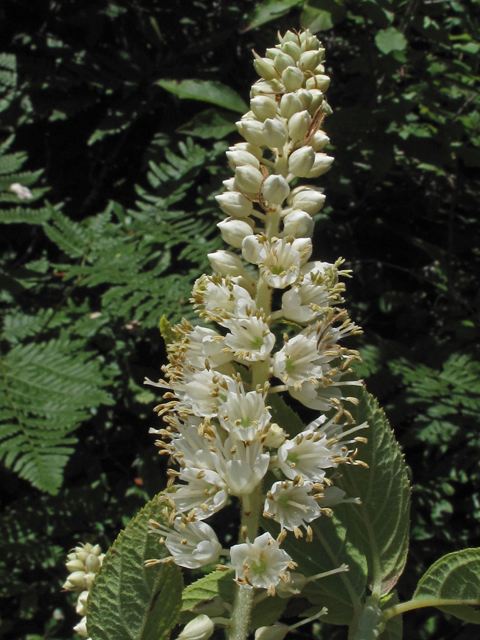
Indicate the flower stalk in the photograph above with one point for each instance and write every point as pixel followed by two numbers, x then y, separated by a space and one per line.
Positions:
pixel 220 430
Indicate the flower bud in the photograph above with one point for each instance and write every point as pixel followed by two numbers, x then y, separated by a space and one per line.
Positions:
pixel 226 263
pixel 229 184
pixel 235 204
pixel 264 67
pixel 317 100
pixel 275 189
pixel 275 436
pixel 298 224
pixel 96 549
pixel 81 628
pixel 92 563
pixel 252 131
pixel 88 580
pixel 309 199
pixel 319 141
pixel 239 158
pixel 77 579
pixel 310 42
pixel 275 133
pixel 248 179
pixel 263 107
pixel 320 82
pixel 292 49
pixel 289 36
pixel 305 97
pixel 290 104
pixel 246 146
pixel 261 87
pixel 250 248
pixel 321 165
pixel 301 162
pixel 309 60
pixel 282 61
pixel 298 125
pixel 200 628
pixel 292 78
pixel 234 231
pixel 75 565
pixel 81 607
pixel 275 632
pixel 272 52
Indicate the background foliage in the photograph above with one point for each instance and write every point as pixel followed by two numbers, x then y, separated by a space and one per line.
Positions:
pixel 123 159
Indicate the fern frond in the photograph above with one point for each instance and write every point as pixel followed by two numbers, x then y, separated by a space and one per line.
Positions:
pixel 48 390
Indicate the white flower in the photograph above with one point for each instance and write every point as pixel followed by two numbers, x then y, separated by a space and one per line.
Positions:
pixel 250 338
pixel 280 259
pixel 226 263
pixel 333 496
pixel 204 496
pixel 260 563
pixel 291 505
pixel 221 296
pixel 244 414
pixel 299 224
pixel 307 455
pixel 204 344
pixel 316 396
pixel 201 394
pixel 246 467
pixel 234 231
pixel 297 361
pixel 192 544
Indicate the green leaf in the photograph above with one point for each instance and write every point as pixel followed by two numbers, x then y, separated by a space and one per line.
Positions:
pixel 267 11
pixel 129 601
pixel 217 583
pixel 391 39
pixel 321 15
pixel 206 91
pixel 456 576
pixel 372 538
pixel 284 415
pixel 394 627
pixel 208 124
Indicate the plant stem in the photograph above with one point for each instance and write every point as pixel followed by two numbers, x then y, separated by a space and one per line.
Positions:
pixel 420 603
pixel 240 620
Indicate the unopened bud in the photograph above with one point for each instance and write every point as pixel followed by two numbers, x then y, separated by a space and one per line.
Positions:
pixel 301 162
pixel 239 158
pixel 290 104
pixel 275 632
pixel 234 231
pixel 319 141
pixel 229 184
pixel 305 97
pixel 309 199
pixel 275 436
pixel 248 179
pixel 96 550
pixel 250 248
pixel 81 628
pixel 92 563
pixel 282 61
pixel 261 87
pixel 321 165
pixel 320 82
pixel 81 607
pixel 235 204
pixel 265 67
pixel 77 579
pixel 292 78
pixel 252 131
pixel 226 263
pixel 298 125
pixel 263 107
pixel 304 247
pixel 275 133
pixel 289 36
pixel 309 60
pixel 250 148
pixel 200 628
pixel 75 565
pixel 292 49
pixel 298 224
pixel 275 189
pixel 88 580
pixel 317 100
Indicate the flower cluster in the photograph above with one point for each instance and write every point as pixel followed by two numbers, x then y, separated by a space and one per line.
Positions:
pixel 83 563
pixel 220 429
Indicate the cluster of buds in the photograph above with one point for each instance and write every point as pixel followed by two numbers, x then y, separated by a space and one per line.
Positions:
pixel 83 563
pixel 220 430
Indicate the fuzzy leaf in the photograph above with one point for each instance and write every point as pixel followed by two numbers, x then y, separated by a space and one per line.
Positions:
pixel 217 583
pixel 129 601
pixel 456 576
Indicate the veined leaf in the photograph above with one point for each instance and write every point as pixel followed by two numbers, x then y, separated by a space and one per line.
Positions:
pixel 455 577
pixel 129 601
pixel 269 10
pixel 206 91
pixel 217 583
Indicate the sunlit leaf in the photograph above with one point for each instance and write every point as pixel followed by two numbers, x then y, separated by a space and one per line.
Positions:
pixel 205 91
